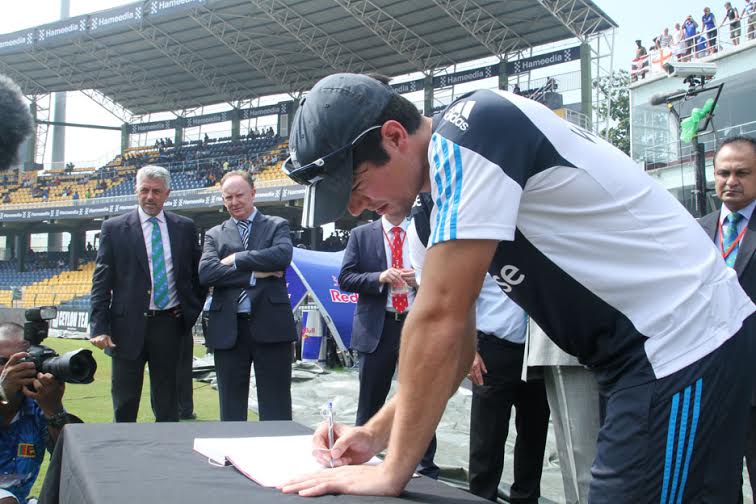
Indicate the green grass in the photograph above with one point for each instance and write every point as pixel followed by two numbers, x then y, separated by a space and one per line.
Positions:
pixel 92 402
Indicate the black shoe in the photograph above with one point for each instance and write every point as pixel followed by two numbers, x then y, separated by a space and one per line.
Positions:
pixel 190 416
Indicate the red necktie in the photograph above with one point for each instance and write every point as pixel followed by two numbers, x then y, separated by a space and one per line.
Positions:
pixel 398 299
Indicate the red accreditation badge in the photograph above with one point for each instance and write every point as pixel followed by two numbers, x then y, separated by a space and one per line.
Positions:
pixel 26 450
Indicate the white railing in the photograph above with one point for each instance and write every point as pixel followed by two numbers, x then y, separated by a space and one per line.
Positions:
pixel 688 49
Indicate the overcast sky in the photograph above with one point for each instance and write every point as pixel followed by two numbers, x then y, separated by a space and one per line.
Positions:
pixel 639 19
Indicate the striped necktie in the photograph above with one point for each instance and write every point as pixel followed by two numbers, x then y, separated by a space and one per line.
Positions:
pixel 730 236
pixel 243 226
pixel 159 274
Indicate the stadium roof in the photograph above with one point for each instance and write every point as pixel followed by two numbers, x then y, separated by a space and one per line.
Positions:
pixel 162 55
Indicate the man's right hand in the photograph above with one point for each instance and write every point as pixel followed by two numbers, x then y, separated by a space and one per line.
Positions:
pixel 352 445
pixel 17 374
pixel 102 341
pixel 391 276
pixel 477 370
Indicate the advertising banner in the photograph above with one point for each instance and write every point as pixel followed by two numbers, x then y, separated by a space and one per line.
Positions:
pixel 543 60
pixel 115 18
pixel 71 320
pixel 319 273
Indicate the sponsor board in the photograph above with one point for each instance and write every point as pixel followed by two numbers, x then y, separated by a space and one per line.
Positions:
pixel 543 60
pixel 114 18
pixel 71 320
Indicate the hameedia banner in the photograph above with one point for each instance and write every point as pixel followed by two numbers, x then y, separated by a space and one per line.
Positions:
pixel 319 272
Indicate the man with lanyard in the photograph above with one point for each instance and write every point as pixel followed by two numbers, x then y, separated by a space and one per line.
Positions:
pixel 605 260
pixel 731 229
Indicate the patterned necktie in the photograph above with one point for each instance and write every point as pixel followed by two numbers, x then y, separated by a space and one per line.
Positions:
pixel 243 226
pixel 159 274
pixel 398 299
pixel 730 236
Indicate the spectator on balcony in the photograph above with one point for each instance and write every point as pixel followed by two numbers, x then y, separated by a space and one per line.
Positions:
pixel 76 195
pixel 690 28
pixel 701 46
pixel 732 15
pixel 640 63
pixel 665 39
pixel 88 194
pixel 6 198
pixel 749 13
pixel 710 29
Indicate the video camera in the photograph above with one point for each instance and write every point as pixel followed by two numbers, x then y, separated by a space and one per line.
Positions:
pixel 77 366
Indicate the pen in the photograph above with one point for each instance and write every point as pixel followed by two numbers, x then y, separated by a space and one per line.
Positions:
pixel 330 430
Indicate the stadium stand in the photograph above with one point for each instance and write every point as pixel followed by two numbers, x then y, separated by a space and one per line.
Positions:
pixel 57 289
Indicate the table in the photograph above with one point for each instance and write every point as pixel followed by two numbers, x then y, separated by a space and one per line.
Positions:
pixel 155 463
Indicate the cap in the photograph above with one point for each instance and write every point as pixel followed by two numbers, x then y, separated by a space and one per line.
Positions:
pixel 336 114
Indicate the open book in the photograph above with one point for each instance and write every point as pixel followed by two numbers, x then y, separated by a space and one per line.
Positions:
pixel 269 461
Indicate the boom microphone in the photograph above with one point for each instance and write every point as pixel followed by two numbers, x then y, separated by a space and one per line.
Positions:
pixel 663 98
pixel 16 123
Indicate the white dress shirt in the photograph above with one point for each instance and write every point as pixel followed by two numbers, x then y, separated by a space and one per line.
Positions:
pixel 388 235
pixel 144 218
pixel 495 313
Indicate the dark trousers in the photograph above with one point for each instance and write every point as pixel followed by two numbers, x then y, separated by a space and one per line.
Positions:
pixel 492 405
pixel 161 343
pixel 376 371
pixel 680 438
pixel 272 363
pixel 184 376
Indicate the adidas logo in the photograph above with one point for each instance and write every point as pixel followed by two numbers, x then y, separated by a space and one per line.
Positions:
pixel 459 113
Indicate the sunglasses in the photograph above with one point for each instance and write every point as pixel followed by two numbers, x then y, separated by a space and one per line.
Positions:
pixel 312 172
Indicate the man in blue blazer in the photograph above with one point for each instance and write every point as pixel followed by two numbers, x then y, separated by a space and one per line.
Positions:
pixel 146 297
pixel 249 315
pixel 376 265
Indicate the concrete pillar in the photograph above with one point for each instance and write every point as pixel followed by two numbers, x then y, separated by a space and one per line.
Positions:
pixel 586 83
pixel 503 77
pixel 428 102
pixel 59 112
pixel 55 242
pixel 31 142
pixel 235 124
pixel 125 133
pixel 76 248
pixel 22 247
pixel 178 135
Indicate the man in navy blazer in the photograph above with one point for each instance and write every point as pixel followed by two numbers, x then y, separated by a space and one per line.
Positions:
pixel 735 184
pixel 249 317
pixel 146 297
pixel 369 269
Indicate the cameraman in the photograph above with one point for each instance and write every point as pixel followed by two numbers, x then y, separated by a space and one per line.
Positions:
pixel 30 420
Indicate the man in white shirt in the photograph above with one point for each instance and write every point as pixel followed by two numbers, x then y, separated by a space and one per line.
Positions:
pixel 376 265
pixel 497 385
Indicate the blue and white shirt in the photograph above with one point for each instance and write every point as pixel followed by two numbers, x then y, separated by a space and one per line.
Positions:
pixel 22 449
pixel 604 259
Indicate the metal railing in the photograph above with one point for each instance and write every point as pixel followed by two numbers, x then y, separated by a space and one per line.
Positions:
pixel 676 152
pixel 653 63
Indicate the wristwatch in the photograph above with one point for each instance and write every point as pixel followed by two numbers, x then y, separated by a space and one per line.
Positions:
pixel 58 420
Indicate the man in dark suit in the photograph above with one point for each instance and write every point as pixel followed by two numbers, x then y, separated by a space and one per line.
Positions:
pixel 733 232
pixel 376 265
pixel 249 316
pixel 146 297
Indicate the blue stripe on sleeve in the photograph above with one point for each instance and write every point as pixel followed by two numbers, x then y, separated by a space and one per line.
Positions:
pixel 457 191
pixel 447 183
pixel 439 225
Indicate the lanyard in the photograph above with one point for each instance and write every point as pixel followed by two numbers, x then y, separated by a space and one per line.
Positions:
pixel 726 253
